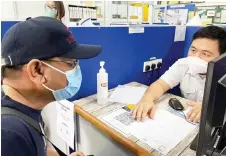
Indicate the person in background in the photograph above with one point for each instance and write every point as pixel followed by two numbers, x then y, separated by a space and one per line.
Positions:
pixel 207 44
pixel 40 66
pixel 55 9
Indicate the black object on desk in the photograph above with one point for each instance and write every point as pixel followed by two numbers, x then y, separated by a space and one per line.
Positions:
pixel 176 104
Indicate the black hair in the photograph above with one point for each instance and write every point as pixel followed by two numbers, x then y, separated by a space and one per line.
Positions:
pixel 4 69
pixel 214 33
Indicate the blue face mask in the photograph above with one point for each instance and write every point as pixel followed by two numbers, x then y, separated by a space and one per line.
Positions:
pixel 51 12
pixel 74 78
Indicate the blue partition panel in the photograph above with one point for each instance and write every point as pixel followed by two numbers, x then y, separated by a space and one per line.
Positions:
pixel 125 53
pixel 5 26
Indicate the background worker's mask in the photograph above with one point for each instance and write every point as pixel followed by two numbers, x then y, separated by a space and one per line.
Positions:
pixel 51 12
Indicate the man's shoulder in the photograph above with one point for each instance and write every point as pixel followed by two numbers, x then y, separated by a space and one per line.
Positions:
pixel 15 143
pixel 14 126
pixel 13 123
pixel 15 132
pixel 12 134
pixel 16 136
pixel 10 121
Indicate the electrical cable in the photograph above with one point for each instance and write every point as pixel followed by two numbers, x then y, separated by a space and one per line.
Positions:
pixel 212 151
pixel 224 149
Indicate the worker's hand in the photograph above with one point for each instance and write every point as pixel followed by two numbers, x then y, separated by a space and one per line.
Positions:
pixel 195 113
pixel 77 154
pixel 142 109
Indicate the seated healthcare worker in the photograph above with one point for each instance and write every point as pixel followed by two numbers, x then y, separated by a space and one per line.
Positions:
pixel 207 44
pixel 55 9
pixel 41 66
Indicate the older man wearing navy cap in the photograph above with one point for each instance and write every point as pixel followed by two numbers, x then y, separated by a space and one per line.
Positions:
pixel 41 65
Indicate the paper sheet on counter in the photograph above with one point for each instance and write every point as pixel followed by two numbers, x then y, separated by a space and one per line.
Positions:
pixel 164 132
pixel 119 120
pixel 127 94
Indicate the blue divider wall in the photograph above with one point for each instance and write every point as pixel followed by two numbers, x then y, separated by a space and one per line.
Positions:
pixel 5 26
pixel 124 53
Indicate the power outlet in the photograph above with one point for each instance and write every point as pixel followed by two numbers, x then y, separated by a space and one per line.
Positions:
pixel 149 65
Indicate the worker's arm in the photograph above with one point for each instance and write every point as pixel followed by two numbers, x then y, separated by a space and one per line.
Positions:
pixel 146 104
pixel 15 143
pixel 169 79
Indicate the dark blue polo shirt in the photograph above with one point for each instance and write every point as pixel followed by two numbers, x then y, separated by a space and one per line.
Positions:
pixel 17 137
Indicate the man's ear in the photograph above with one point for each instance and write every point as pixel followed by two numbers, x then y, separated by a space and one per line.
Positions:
pixel 35 70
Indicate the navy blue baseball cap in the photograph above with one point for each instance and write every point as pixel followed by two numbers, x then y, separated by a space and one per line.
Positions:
pixel 42 38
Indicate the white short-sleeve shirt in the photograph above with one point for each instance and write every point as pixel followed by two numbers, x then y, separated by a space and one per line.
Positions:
pixel 191 85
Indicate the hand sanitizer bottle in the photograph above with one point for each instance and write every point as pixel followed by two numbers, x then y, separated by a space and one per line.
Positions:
pixel 102 85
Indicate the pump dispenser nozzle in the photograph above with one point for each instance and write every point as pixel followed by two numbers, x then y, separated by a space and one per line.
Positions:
pixel 102 67
pixel 102 63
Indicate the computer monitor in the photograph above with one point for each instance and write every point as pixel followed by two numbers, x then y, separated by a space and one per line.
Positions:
pixel 213 106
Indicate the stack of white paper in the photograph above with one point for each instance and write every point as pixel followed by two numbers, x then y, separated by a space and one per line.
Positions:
pixel 164 132
pixel 127 94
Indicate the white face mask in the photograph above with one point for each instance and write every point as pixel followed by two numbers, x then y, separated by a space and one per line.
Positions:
pixel 197 65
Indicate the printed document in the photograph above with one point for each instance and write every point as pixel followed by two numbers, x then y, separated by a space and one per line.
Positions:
pixel 162 133
pixel 65 121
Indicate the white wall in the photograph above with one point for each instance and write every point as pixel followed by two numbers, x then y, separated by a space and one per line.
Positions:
pixel 20 10
pixel 30 9
pixel 8 12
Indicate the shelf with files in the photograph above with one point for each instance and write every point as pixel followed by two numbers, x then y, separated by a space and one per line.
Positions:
pixel 212 14
pixel 78 19
pixel 77 12
pixel 119 10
